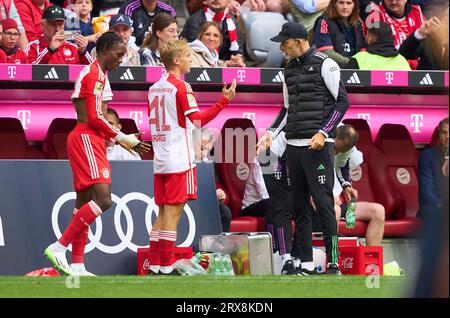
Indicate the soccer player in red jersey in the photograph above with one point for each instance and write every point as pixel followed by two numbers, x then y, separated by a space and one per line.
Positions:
pixel 86 150
pixel 173 114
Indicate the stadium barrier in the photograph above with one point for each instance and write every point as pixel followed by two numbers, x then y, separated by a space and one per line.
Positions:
pixel 37 202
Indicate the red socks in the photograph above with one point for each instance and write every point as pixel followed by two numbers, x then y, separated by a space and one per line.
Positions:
pixel 85 216
pixel 167 241
pixel 79 243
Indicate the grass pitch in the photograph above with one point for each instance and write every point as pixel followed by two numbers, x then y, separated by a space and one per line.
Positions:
pixel 202 287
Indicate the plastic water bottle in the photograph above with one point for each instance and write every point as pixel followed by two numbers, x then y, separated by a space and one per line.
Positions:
pixel 350 217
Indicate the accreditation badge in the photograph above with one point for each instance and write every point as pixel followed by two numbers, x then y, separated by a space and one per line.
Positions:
pixel 191 100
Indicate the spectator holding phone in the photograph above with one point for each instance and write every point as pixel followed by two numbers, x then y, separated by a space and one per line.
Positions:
pixel 52 47
pixel 82 22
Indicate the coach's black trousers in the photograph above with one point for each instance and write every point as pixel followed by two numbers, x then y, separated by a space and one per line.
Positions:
pixel 311 173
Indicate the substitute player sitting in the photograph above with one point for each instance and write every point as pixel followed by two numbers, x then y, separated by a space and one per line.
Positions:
pixel 86 150
pixel 173 114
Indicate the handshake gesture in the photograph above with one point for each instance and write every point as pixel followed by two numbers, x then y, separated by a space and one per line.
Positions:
pixel 132 143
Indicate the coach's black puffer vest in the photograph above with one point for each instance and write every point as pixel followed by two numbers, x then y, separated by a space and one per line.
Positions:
pixel 310 101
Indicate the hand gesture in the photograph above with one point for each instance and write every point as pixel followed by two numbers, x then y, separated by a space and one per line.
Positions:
pixel 429 27
pixel 317 142
pixel 221 196
pixel 350 194
pixel 258 5
pixel 234 8
pixel 229 93
pixel 57 40
pixel 264 143
pixel 82 43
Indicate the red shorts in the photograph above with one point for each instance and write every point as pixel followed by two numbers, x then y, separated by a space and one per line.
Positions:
pixel 175 188
pixel 86 150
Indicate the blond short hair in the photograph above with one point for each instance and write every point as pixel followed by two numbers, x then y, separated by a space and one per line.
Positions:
pixel 172 49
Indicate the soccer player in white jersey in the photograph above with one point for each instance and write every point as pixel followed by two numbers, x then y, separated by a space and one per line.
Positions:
pixel 173 114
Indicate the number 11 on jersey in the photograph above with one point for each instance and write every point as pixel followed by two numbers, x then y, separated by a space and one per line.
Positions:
pixel 158 105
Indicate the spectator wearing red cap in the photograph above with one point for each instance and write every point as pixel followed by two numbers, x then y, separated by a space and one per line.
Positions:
pixel 9 43
pixel 52 48
pixel 30 12
pixel 8 10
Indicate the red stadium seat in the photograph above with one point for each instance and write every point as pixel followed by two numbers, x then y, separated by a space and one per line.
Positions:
pixel 14 143
pixel 394 179
pixel 55 141
pixel 237 154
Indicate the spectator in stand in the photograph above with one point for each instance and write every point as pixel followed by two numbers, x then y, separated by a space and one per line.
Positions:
pixel 83 22
pixel 216 10
pixel 52 48
pixel 8 43
pixel 429 44
pixel 30 12
pixel 203 142
pixel 433 211
pixel 142 12
pixel 2 53
pixel 122 25
pixel 115 151
pixel 205 49
pixel 381 53
pixel 338 32
pixel 8 10
pixel 164 28
pixel 308 11
pixel 403 17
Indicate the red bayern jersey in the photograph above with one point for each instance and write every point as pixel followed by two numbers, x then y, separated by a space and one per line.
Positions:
pixel 2 56
pixel 67 53
pixel 16 56
pixel 90 86
pixel 171 100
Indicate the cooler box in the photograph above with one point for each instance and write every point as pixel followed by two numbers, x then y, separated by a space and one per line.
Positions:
pixel 250 253
pixel 142 257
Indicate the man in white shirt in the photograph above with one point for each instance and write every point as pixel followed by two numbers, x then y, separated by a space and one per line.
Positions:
pixel 115 151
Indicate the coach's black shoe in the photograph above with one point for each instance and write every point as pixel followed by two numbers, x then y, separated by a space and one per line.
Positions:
pixel 333 269
pixel 174 272
pixel 306 272
pixel 289 268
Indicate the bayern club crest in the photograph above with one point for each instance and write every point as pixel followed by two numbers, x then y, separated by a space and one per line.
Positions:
pixel 105 173
pixel 67 52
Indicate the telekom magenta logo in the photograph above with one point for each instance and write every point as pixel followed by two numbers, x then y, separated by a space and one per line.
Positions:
pixel 12 71
pixel 417 122
pixel 242 75
pixel 137 117
pixel 20 72
pixel 25 117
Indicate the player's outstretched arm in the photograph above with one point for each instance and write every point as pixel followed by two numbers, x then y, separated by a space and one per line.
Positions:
pixel 200 119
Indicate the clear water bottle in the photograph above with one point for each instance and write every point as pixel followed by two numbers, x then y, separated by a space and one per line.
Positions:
pixel 350 217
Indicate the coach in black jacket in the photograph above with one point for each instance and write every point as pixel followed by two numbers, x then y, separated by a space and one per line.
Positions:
pixel 317 102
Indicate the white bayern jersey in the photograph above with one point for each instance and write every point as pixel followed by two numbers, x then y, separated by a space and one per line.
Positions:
pixel 170 101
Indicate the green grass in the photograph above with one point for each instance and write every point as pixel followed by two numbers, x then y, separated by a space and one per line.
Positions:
pixel 202 287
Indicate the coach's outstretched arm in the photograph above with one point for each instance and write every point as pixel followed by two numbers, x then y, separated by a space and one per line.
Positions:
pixel 200 119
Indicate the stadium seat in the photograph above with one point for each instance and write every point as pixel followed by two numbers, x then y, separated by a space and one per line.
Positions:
pixel 260 27
pixel 394 179
pixel 14 143
pixel 236 157
pixel 55 141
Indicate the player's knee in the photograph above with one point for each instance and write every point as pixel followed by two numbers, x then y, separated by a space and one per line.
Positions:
pixel 379 212
pixel 105 203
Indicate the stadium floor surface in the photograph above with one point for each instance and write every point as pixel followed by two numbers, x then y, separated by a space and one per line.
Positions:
pixel 202 287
